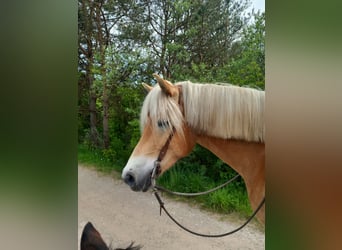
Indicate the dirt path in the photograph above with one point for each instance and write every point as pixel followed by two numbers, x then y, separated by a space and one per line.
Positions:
pixel 122 216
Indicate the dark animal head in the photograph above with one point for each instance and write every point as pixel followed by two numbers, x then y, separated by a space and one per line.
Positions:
pixel 92 240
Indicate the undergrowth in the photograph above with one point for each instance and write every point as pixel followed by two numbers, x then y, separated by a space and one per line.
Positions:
pixel 96 158
pixel 231 198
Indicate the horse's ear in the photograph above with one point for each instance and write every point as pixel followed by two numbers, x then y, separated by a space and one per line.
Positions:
pixel 91 239
pixel 147 87
pixel 167 87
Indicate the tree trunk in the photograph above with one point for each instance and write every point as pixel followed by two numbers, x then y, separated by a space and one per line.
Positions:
pixel 94 134
pixel 103 40
pixel 105 105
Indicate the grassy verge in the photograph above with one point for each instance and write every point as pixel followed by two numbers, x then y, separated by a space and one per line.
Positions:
pixel 184 178
pixel 232 198
pixel 96 158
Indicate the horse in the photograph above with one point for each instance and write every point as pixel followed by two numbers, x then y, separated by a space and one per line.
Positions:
pixel 92 240
pixel 228 120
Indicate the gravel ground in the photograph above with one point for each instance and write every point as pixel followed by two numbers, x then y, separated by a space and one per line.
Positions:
pixel 123 216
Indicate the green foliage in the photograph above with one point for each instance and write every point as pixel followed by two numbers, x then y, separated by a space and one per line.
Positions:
pixel 229 200
pixel 201 72
pixel 248 67
pixel 95 157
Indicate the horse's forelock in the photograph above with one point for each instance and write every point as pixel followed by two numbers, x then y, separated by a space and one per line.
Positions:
pixel 161 108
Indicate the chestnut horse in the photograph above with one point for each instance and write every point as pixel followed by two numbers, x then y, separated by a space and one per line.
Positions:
pixel 227 120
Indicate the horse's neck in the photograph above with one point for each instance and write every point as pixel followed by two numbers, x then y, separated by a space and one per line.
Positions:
pixel 240 155
pixel 246 158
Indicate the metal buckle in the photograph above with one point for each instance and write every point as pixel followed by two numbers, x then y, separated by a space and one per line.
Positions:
pixel 154 174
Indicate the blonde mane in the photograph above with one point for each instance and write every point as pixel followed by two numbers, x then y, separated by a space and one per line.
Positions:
pixel 223 111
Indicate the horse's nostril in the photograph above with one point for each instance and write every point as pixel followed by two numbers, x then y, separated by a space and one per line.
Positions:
pixel 129 179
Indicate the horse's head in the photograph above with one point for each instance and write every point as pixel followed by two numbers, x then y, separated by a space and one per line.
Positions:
pixel 165 135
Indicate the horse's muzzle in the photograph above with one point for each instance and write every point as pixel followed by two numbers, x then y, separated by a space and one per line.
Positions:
pixel 132 181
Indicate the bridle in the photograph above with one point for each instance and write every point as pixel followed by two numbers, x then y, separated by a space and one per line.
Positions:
pixel 156 171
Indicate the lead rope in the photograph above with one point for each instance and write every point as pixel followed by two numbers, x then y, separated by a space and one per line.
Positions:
pixel 162 207
pixel 194 194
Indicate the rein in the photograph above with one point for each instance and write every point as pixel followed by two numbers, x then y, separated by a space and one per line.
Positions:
pixel 156 171
pixel 195 194
pixel 162 207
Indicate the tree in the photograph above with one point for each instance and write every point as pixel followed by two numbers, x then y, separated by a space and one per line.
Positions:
pixel 95 24
pixel 248 67
pixel 121 43
pixel 182 33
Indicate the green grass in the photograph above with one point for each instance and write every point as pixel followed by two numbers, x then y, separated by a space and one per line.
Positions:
pixel 95 158
pixel 229 200
pixel 232 198
pixel 183 178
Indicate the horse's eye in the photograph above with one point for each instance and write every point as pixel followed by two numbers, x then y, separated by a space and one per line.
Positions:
pixel 163 124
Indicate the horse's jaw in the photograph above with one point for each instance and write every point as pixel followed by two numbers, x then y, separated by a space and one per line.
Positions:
pixel 137 173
